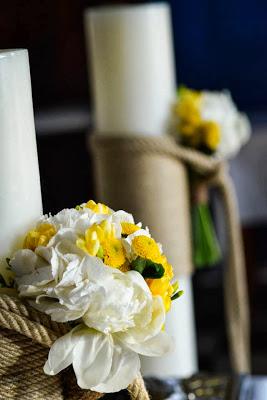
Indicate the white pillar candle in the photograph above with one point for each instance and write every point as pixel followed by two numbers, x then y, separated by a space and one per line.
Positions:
pixel 20 194
pixel 130 52
pixel 180 324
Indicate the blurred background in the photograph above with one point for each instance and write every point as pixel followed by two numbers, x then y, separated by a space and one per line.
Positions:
pixel 218 45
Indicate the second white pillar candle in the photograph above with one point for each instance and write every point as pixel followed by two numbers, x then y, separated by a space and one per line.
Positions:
pixel 130 52
pixel 131 56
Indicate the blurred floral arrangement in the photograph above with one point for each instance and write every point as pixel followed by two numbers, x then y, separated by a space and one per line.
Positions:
pixel 210 123
pixel 108 278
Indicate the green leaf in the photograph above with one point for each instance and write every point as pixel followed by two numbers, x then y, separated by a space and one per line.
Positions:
pixel 177 295
pixel 175 286
pixel 148 268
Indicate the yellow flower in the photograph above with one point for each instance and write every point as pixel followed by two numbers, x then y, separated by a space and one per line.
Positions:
pixel 39 236
pixel 91 242
pixel 167 267
pixel 188 111
pixel 162 287
pixel 128 228
pixel 113 253
pixel 100 241
pixel 186 129
pixel 211 135
pixel 97 208
pixel 146 247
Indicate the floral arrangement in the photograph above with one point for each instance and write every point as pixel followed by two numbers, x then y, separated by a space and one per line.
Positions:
pixel 108 278
pixel 210 123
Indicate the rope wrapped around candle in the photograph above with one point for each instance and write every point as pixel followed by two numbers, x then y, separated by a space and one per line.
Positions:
pixel 25 337
pixel 147 176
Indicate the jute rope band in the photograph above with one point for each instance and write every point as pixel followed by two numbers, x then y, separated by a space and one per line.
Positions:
pixel 25 337
pixel 147 177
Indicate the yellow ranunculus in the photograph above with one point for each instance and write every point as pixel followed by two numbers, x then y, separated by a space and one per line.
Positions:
pixel 146 247
pixel 114 255
pixel 39 236
pixel 163 288
pixel 210 133
pixel 167 267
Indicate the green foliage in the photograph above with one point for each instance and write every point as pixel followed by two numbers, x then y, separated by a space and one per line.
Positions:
pixel 207 250
pixel 148 268
pixel 177 295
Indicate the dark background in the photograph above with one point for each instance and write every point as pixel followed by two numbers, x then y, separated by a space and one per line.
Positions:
pixel 218 44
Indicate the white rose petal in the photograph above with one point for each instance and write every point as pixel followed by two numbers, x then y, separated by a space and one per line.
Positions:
pixel 140 333
pixel 99 363
pixel 156 346
pixel 92 358
pixel 61 354
pixel 124 369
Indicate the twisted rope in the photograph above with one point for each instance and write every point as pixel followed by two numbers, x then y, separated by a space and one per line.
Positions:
pixel 137 389
pixel 22 360
pixel 14 305
pixel 112 153
pixel 235 285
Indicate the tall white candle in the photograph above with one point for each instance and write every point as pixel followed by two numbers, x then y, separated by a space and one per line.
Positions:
pixel 182 361
pixel 130 52
pixel 20 193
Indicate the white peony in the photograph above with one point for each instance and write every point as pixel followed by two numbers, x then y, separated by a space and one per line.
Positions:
pixel 103 363
pixel 117 316
pixel 234 126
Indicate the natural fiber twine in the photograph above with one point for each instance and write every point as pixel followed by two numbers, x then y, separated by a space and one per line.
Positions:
pixel 147 177
pixel 25 337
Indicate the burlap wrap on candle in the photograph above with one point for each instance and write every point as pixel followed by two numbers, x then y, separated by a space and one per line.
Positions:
pixel 25 338
pixel 150 185
pixel 147 177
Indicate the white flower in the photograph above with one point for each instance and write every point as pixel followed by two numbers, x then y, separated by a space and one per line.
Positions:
pixel 126 320
pixel 119 317
pixel 104 362
pixel 234 126
pixel 100 362
pixel 116 315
